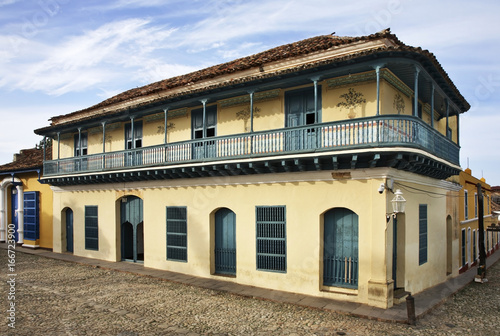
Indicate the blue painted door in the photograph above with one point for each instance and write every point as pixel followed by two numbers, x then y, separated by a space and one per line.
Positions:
pixel 14 207
pixel 31 215
pixel 225 242
pixel 203 129
pixel 69 230
pixel 300 111
pixel 340 249
pixel 132 237
pixel 132 143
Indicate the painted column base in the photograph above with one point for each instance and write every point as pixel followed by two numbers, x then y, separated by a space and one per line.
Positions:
pixel 381 293
pixel 30 246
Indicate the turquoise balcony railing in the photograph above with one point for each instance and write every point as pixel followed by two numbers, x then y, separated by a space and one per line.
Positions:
pixel 373 132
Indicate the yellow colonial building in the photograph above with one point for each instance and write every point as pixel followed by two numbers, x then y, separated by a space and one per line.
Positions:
pixel 25 203
pixel 469 220
pixel 275 170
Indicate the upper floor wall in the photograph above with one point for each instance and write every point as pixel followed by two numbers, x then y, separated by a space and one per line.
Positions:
pixel 342 98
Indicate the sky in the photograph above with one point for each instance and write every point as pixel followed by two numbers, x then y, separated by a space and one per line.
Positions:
pixel 60 56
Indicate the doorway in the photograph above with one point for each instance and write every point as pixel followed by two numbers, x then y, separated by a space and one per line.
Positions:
pixel 225 242
pixel 132 229
pixel 69 230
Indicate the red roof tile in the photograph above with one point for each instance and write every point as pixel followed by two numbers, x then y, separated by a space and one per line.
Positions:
pixel 27 159
pixel 299 48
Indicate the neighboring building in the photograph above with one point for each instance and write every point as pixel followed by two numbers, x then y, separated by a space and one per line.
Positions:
pixel 25 203
pixel 495 198
pixel 275 170
pixel 469 220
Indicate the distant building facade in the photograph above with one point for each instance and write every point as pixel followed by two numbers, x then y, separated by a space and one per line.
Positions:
pixel 469 220
pixel 276 170
pixel 22 198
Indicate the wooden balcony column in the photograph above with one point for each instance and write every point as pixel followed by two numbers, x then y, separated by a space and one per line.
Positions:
pixel 447 117
pixel 79 141
pixel 104 136
pixel 315 81
pixel 132 131
pixel 415 103
pixel 433 89
pixel 251 110
pixel 165 124
pixel 377 72
pixel 204 102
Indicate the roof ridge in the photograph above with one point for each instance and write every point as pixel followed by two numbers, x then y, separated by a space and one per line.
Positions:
pixel 293 49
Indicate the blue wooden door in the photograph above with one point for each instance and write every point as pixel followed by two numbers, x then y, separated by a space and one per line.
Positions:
pixel 203 129
pixel 340 249
pixel 69 230
pixel 225 242
pixel 31 215
pixel 132 237
pixel 14 216
pixel 300 111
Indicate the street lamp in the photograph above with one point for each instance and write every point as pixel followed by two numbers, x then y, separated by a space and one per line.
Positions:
pixel 398 202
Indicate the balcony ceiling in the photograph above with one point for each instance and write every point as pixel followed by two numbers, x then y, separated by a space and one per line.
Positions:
pixel 406 161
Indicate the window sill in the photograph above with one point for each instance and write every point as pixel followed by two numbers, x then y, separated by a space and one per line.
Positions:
pixel 339 290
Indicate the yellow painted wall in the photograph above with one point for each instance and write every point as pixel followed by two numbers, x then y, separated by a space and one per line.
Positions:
pixel 331 98
pixel 30 183
pixel 434 271
pixel 304 229
pixel 387 97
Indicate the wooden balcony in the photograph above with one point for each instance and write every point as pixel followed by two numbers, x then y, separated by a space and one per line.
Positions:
pixel 360 136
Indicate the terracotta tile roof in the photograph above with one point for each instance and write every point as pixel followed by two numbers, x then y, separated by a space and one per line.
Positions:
pixel 307 46
pixel 27 159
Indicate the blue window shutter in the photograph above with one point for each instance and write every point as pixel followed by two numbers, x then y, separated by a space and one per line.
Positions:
pixel 422 231
pixel 91 228
pixel 271 238
pixel 176 233
pixel 31 215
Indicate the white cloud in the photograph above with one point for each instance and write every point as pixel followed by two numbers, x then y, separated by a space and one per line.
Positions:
pixel 7 2
pixel 82 61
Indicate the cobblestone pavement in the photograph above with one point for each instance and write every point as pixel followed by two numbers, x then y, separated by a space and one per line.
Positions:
pixel 61 298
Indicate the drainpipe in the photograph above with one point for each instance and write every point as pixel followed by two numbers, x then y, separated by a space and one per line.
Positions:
pixel 20 214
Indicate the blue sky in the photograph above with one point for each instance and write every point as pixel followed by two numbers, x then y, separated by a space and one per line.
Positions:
pixel 59 56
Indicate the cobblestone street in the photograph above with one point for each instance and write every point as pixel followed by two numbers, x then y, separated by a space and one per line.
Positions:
pixel 54 297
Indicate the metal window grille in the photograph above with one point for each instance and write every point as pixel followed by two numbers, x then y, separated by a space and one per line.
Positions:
pixel 422 231
pixel 91 228
pixel 271 238
pixel 177 233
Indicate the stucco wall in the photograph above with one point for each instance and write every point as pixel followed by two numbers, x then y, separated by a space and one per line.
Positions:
pixel 307 196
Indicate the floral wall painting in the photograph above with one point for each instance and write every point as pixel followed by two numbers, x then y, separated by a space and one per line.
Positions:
pixel 352 99
pixel 245 115
pixel 399 103
pixel 161 128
